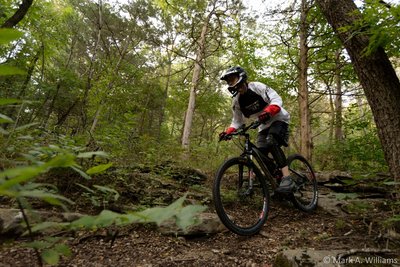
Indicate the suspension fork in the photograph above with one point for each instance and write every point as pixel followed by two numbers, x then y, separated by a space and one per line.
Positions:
pixel 251 174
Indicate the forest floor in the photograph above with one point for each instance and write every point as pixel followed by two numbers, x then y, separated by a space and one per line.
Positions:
pixel 286 228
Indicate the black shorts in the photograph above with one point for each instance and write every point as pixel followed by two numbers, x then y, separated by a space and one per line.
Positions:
pixel 279 129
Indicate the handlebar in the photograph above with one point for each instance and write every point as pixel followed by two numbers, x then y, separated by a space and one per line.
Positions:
pixel 242 130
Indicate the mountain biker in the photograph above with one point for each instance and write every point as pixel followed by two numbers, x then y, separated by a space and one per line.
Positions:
pixel 256 100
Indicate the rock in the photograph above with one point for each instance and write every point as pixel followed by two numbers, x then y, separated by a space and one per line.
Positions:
pixel 185 175
pixel 307 257
pixel 330 176
pixel 10 219
pixel 71 216
pixel 210 224
pixel 10 222
pixel 331 204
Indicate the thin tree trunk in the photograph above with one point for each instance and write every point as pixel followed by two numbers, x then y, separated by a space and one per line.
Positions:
pixel 28 78
pixel 58 86
pixel 375 73
pixel 93 58
pixel 21 93
pixel 143 116
pixel 165 96
pixel 109 87
pixel 195 83
pixel 362 112
pixel 305 120
pixel 18 15
pixel 332 115
pixel 338 99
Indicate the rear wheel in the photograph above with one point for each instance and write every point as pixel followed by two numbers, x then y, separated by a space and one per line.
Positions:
pixel 241 196
pixel 305 197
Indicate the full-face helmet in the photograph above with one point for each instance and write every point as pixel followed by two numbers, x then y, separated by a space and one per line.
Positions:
pixel 238 72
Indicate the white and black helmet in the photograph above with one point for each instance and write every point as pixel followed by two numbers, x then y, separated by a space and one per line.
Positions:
pixel 235 71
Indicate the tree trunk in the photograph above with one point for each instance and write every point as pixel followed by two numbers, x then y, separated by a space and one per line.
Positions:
pixel 93 58
pixel 376 74
pixel 332 114
pixel 305 120
pixel 165 97
pixel 338 99
pixel 58 86
pixel 28 78
pixel 109 87
pixel 195 83
pixel 18 15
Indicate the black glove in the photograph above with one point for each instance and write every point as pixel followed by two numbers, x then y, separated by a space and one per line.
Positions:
pixel 225 135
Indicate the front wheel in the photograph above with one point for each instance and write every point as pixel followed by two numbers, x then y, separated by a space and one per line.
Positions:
pixel 305 197
pixel 241 196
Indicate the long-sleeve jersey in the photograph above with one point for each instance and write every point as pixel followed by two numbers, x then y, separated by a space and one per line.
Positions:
pixel 251 104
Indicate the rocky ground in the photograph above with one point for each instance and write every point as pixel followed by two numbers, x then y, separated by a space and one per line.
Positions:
pixel 343 226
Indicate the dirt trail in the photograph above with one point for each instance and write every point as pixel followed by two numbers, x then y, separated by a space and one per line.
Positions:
pixel 144 246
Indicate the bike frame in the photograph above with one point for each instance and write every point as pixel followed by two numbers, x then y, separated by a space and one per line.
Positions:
pixel 250 150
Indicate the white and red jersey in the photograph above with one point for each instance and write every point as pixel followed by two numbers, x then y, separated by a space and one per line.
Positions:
pixel 251 104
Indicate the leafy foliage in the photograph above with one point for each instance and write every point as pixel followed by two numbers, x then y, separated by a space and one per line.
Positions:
pixel 87 88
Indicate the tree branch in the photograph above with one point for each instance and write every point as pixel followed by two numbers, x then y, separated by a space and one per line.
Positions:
pixel 18 15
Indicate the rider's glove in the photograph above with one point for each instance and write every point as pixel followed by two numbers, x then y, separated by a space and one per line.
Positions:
pixel 263 117
pixel 225 134
pixel 269 112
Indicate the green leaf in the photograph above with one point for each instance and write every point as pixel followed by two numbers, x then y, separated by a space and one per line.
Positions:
pixel 48 197
pixel 2 131
pixel 45 225
pixel 188 216
pixel 86 188
pixel 10 70
pixel 9 101
pixel 395 218
pixel 104 219
pixel 19 175
pixel 38 244
pixel 82 173
pixel 106 189
pixel 62 160
pixel 26 126
pixel 63 249
pixel 159 215
pixel 344 196
pixel 7 35
pixel 50 256
pixel 391 183
pixel 99 168
pixel 83 222
pixel 91 154
pixel 5 119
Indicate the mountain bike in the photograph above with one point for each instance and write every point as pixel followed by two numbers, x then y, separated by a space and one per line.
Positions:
pixel 243 186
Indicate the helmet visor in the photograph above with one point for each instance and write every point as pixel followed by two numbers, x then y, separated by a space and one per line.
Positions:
pixel 234 83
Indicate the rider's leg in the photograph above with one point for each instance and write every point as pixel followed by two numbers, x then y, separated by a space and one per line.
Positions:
pixel 270 141
pixel 276 137
pixel 269 144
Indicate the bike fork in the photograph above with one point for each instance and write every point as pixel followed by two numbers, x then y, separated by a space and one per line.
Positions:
pixel 251 176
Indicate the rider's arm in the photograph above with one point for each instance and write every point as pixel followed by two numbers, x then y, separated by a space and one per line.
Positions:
pixel 271 97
